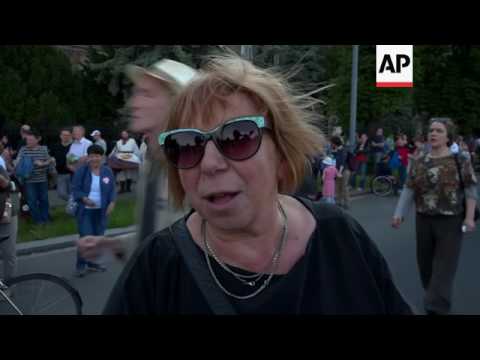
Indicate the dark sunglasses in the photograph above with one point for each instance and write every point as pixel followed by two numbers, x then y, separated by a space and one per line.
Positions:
pixel 238 139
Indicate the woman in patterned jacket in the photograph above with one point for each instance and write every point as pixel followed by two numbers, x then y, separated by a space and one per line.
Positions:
pixel 434 186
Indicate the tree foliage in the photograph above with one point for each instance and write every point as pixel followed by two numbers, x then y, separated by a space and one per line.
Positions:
pixel 39 86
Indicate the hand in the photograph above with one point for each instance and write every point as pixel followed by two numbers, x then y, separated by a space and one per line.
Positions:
pixel 38 163
pixel 110 208
pixel 339 176
pixel 396 222
pixel 91 247
pixel 88 202
pixel 470 224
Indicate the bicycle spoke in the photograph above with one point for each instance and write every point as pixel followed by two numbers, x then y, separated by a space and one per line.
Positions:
pixel 45 294
pixel 51 303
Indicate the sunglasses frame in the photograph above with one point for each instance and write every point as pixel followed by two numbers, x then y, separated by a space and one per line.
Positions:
pixel 259 121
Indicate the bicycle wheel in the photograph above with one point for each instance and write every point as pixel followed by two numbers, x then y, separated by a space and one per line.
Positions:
pixel 44 294
pixel 382 186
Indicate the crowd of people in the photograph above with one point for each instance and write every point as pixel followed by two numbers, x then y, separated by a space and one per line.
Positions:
pixel 84 176
pixel 376 156
pixel 232 225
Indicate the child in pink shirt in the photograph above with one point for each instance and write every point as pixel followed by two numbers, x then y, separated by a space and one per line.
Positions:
pixel 329 175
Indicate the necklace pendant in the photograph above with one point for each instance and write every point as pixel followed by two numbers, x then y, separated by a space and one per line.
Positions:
pixel 251 283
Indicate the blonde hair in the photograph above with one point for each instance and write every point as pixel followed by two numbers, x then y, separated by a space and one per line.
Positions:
pixel 291 116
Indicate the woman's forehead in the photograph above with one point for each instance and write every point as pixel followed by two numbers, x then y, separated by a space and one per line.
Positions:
pixel 219 110
pixel 438 125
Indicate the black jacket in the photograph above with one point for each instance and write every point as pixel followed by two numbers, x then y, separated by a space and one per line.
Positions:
pixel 342 272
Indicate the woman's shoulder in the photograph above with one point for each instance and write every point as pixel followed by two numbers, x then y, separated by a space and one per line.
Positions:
pixel 322 211
pixel 107 170
pixel 155 251
pixel 339 230
pixel 82 169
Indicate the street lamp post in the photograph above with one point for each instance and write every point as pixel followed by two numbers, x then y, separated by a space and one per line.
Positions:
pixel 353 96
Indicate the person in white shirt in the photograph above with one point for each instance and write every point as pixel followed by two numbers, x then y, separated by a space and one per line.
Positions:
pixel 77 155
pixel 126 147
pixel 97 136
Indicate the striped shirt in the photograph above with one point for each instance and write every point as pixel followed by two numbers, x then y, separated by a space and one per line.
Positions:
pixel 39 173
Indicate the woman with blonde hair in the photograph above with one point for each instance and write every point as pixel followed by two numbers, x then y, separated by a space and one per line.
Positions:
pixel 248 246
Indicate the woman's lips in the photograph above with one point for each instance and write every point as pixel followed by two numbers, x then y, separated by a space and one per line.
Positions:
pixel 221 198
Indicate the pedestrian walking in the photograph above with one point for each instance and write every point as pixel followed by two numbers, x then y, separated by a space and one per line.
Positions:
pixel 339 154
pixel 59 153
pixel 330 173
pixel 77 155
pixel 443 207
pixel 155 89
pixel 126 150
pixel 9 206
pixel 377 147
pixel 95 193
pixel 361 160
pixel 36 182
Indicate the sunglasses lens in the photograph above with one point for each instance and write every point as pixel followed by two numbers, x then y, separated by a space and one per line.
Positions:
pixel 239 140
pixel 184 149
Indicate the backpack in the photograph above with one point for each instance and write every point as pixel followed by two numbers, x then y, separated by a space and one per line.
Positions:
pixel 394 162
pixel 24 168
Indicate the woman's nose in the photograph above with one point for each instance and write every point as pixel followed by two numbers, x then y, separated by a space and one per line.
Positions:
pixel 212 160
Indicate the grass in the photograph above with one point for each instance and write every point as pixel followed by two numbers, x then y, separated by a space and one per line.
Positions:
pixel 63 224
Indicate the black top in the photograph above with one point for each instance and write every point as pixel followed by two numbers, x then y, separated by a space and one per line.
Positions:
pixel 59 152
pixel 378 139
pixel 340 156
pixel 342 272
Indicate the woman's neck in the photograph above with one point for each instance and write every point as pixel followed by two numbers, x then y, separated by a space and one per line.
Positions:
pixel 440 151
pixel 95 169
pixel 250 248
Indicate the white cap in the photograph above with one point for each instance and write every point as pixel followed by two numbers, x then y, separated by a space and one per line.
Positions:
pixel 95 132
pixel 175 74
pixel 328 161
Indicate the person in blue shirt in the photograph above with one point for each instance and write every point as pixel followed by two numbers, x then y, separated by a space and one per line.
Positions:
pixel 94 190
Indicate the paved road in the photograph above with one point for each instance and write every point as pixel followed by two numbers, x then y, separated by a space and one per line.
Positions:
pixel 94 288
pixel 398 246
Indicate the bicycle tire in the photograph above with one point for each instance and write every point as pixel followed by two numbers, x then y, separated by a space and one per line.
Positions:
pixel 382 186
pixel 61 299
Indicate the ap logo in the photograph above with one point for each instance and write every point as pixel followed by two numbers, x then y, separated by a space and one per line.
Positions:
pixel 394 66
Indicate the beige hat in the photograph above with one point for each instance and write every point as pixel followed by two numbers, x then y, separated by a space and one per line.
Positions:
pixel 175 74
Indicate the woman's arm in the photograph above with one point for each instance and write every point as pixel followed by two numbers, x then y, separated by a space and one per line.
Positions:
pixel 471 201
pixel 46 159
pixel 405 202
pixel 77 183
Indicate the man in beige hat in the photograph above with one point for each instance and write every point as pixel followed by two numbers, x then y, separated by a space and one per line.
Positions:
pixel 153 92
